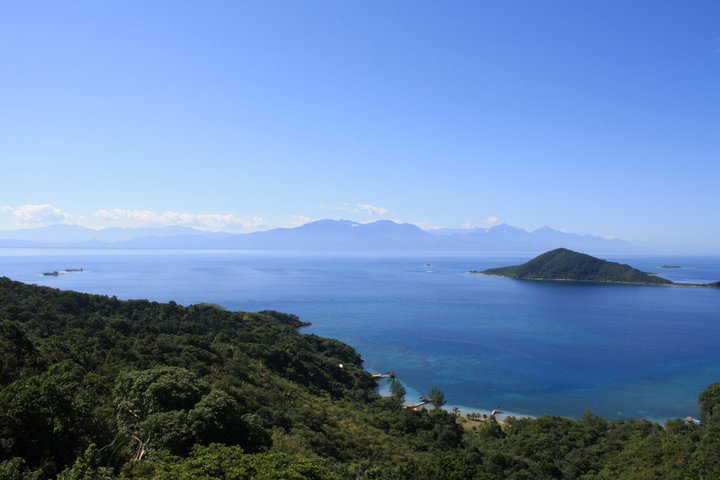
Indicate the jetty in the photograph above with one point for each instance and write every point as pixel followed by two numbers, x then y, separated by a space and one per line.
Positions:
pixel 484 417
pixel 418 406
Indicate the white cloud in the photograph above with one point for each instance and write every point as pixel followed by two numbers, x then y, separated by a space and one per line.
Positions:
pixel 373 210
pixel 490 221
pixel 486 222
pixel 359 208
pixel 298 220
pixel 203 221
pixel 429 225
pixel 35 215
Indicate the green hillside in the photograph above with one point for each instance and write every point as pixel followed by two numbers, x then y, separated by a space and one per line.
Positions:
pixel 92 387
pixel 564 264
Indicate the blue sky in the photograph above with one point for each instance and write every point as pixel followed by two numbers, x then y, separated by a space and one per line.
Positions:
pixel 595 117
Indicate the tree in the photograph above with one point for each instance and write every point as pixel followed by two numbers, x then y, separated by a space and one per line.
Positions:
pixel 222 461
pixel 437 397
pixel 87 467
pixel 16 469
pixel 18 356
pixel 152 408
pixel 43 418
pixel 170 408
pixel 710 403
pixel 397 390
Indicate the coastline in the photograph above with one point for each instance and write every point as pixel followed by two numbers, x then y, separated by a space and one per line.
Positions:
pixel 672 284
pixel 413 396
pixel 364 325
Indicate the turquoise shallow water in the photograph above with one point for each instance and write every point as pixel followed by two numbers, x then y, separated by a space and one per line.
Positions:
pixel 531 347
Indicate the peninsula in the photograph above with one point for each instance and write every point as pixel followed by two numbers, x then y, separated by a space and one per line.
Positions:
pixel 564 264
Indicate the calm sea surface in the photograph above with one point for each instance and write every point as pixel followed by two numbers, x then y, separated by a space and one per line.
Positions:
pixel 531 347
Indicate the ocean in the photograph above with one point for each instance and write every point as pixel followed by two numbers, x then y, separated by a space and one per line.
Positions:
pixel 530 347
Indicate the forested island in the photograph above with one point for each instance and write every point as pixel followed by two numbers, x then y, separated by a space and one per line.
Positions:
pixel 564 264
pixel 92 387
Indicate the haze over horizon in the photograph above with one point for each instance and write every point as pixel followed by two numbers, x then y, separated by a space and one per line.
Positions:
pixel 596 118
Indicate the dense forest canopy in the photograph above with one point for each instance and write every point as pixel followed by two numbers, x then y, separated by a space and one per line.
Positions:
pixel 92 387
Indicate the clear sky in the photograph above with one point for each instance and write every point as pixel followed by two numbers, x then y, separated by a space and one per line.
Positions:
pixel 595 117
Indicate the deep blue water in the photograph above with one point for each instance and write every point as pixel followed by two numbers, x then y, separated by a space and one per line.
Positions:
pixel 531 347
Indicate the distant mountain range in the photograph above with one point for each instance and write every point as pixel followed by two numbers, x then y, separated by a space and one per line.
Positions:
pixel 323 235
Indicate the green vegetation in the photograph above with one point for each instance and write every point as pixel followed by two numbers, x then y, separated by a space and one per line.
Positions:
pixel 436 397
pixel 397 390
pixel 564 264
pixel 92 387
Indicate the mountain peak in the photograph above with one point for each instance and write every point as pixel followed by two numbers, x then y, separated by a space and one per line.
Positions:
pixel 546 229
